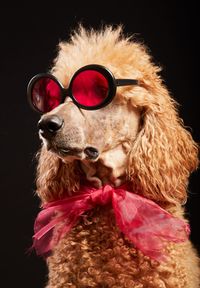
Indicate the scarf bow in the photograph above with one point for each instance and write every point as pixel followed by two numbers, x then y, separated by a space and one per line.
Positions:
pixel 143 222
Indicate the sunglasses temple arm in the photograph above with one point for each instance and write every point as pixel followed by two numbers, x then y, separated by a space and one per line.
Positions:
pixel 126 82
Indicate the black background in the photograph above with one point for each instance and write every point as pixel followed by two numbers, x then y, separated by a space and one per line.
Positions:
pixel 29 35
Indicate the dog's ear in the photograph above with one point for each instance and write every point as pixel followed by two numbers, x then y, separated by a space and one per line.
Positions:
pixel 54 178
pixel 164 153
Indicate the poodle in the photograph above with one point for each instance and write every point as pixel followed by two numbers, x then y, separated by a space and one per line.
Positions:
pixel 113 168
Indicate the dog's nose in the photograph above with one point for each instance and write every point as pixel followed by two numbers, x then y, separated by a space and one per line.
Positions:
pixel 50 124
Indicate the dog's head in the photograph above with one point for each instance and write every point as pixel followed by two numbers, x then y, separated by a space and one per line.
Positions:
pixel 135 136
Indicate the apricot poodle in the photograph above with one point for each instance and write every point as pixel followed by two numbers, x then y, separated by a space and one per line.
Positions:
pixel 113 168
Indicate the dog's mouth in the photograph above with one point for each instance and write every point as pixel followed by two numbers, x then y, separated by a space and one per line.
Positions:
pixel 64 151
pixel 90 153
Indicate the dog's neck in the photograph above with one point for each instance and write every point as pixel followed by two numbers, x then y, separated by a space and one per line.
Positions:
pixel 110 167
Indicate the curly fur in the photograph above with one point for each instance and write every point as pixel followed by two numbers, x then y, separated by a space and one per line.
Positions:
pixel 160 161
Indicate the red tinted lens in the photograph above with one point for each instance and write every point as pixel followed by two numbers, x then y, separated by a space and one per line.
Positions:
pixel 46 94
pixel 90 88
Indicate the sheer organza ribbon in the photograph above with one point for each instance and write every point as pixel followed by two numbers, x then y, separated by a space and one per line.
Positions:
pixel 143 222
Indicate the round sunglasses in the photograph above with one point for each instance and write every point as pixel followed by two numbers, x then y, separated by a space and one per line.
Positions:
pixel 91 87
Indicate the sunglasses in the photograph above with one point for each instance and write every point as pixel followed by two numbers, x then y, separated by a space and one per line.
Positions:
pixel 91 87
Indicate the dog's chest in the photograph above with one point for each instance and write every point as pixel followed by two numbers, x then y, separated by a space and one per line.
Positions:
pixel 95 251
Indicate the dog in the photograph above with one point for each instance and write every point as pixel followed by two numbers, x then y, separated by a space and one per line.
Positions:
pixel 113 168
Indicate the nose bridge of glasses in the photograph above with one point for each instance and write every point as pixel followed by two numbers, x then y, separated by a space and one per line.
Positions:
pixel 66 93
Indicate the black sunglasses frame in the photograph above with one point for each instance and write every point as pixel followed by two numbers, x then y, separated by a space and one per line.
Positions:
pixel 113 83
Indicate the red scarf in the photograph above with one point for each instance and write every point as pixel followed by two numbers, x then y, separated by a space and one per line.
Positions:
pixel 146 225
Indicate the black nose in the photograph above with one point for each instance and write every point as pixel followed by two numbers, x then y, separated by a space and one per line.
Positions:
pixel 50 124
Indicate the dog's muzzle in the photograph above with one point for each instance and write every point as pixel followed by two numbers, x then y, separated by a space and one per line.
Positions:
pixel 49 128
